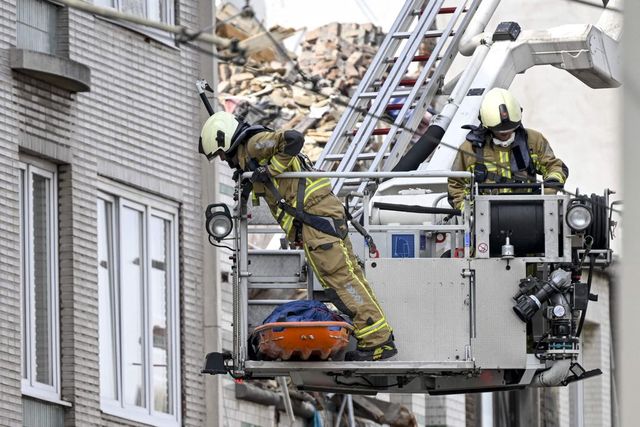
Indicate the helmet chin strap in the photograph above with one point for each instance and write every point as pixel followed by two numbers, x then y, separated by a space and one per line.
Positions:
pixel 506 142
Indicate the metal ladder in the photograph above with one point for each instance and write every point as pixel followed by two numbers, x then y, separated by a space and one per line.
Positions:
pixel 353 140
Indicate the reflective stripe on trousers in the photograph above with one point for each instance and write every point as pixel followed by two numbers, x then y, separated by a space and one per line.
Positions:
pixel 336 267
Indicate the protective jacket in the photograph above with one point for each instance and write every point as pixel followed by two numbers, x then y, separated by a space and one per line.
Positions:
pixel 279 151
pixel 528 155
pixel 330 255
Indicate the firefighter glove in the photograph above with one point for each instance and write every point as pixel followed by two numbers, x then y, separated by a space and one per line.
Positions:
pixel 553 182
pixel 261 174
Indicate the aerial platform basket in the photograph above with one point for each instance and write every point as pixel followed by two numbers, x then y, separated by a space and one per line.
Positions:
pixel 302 340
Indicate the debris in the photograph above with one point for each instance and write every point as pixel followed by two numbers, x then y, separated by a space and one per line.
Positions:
pixel 269 91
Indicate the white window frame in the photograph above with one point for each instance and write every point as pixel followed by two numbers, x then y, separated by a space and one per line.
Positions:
pixel 170 6
pixel 30 385
pixel 158 35
pixel 120 196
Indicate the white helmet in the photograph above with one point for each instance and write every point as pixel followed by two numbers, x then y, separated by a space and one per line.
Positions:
pixel 217 133
pixel 500 111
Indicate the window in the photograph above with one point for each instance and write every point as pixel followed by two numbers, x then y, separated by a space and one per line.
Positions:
pixel 36 26
pixel 138 307
pixel 39 253
pixel 42 46
pixel 154 10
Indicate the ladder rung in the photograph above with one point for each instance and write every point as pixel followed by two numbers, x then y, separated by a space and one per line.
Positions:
pixel 408 82
pixel 394 94
pixel 442 11
pixel 449 10
pixel 363 156
pixel 403 82
pixel 417 58
pixel 394 107
pixel 379 131
pixel 428 35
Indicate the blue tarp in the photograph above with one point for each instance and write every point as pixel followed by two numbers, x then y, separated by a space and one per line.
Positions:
pixel 303 311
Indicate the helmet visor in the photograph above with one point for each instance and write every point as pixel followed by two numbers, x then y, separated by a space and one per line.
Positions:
pixel 209 156
pixel 505 127
pixel 501 132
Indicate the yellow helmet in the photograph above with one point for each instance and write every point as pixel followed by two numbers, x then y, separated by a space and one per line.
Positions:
pixel 217 133
pixel 500 111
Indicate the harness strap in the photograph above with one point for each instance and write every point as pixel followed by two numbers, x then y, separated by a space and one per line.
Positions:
pixel 328 225
pixel 517 176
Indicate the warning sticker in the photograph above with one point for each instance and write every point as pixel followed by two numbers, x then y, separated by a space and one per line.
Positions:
pixel 483 247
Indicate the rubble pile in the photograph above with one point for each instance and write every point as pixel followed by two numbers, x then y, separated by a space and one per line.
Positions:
pixel 268 90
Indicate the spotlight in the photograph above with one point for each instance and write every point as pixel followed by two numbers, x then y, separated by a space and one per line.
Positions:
pixel 579 215
pixel 218 222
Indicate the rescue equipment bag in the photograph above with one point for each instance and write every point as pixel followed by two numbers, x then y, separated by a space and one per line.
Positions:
pixel 303 311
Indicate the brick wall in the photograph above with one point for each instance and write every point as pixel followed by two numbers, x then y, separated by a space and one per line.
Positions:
pixel 10 375
pixel 138 125
pixel 596 349
pixel 596 354
pixel 446 411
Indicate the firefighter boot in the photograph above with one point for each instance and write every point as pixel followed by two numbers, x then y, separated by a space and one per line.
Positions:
pixel 383 351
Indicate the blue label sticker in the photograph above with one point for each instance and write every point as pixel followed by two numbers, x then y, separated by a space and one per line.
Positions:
pixel 403 246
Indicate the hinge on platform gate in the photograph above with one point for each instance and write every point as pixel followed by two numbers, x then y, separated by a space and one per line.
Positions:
pixel 302 275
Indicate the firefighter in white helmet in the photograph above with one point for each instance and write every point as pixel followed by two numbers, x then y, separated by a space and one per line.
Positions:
pixel 311 216
pixel 501 150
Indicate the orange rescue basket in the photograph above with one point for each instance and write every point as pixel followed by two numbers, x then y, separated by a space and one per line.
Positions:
pixel 302 340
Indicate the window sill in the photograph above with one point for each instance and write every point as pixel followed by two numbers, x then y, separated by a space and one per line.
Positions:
pixel 61 72
pixel 137 415
pixel 45 397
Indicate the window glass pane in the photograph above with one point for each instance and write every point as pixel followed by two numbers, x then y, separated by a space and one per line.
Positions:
pixel 132 308
pixel 104 3
pixel 42 278
pixel 36 24
pixel 159 250
pixel 107 311
pixel 154 11
pixel 25 277
pixel 134 7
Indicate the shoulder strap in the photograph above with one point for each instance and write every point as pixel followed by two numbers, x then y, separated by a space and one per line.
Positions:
pixel 243 134
pixel 520 158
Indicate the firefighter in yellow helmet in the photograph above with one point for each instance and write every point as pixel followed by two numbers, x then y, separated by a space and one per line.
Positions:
pixel 310 215
pixel 501 150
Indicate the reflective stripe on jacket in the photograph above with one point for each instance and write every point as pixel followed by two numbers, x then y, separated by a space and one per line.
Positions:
pixel 498 161
pixel 279 151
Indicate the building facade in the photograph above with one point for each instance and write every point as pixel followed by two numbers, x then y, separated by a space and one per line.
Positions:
pixel 101 250
pixel 109 293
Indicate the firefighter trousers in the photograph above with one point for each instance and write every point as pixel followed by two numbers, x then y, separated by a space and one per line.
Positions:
pixel 336 268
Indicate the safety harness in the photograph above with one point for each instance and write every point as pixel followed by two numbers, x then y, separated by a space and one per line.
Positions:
pixel 521 165
pixel 332 226
pixel 336 227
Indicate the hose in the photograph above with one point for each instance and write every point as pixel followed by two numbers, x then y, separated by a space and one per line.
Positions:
pixel 599 228
pixel 421 150
pixel 592 261
pixel 553 376
pixel 415 209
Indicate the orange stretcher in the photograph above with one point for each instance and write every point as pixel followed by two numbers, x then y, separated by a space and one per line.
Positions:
pixel 302 340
